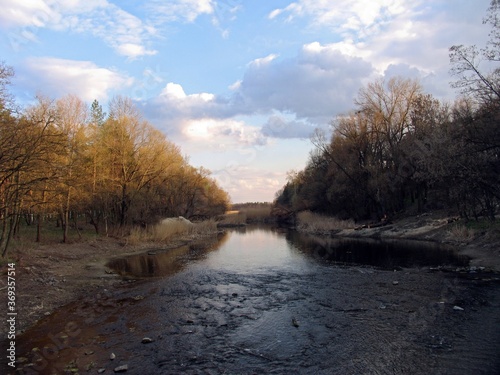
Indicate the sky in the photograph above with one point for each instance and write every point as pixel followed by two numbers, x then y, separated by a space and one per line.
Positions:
pixel 238 85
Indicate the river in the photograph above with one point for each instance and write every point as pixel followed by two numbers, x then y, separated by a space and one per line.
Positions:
pixel 264 300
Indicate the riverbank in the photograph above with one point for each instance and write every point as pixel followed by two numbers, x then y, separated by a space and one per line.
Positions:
pixel 50 276
pixel 482 245
pixel 265 300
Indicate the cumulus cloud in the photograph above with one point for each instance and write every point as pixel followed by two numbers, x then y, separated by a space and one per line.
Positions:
pixel 392 32
pixel 175 105
pixel 318 83
pixel 125 33
pixel 60 77
pixel 222 134
pixel 312 87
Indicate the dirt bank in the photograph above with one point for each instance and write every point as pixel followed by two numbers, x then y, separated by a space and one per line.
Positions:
pixel 51 276
pixel 482 246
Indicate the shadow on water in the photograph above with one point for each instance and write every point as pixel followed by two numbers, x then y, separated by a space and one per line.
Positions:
pixel 384 254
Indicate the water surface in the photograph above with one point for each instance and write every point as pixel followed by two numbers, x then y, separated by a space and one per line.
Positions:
pixel 269 300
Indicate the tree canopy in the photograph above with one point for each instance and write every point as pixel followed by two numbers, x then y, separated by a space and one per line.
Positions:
pixel 401 150
pixel 64 159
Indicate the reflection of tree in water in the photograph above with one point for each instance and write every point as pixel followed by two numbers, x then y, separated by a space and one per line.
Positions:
pixel 384 254
pixel 157 263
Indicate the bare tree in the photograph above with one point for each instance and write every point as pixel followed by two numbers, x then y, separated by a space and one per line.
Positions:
pixel 476 69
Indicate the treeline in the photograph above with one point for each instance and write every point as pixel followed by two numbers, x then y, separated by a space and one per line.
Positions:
pixel 401 150
pixel 63 159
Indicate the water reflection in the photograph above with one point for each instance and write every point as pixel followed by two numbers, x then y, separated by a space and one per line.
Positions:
pixel 259 248
pixel 161 263
pixel 386 254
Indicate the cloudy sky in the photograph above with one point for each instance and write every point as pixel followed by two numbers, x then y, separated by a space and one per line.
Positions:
pixel 239 85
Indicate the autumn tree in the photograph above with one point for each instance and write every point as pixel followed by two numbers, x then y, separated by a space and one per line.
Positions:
pixel 27 145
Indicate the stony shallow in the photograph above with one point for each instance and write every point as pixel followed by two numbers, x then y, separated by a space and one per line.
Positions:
pixel 263 302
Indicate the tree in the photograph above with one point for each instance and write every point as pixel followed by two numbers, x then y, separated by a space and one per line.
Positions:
pixel 27 148
pixel 72 164
pixel 482 85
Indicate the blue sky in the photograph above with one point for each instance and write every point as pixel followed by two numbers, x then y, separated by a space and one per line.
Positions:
pixel 239 85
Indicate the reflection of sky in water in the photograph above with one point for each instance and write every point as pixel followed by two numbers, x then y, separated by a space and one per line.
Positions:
pixel 254 250
pixel 257 249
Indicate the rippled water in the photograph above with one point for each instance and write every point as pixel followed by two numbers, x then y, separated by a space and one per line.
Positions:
pixel 268 300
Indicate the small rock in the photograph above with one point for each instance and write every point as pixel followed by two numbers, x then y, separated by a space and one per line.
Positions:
pixel 112 356
pixel 395 282
pixel 458 308
pixel 101 370
pixel 89 352
pixel 121 368
pixel 147 340
pixel 295 323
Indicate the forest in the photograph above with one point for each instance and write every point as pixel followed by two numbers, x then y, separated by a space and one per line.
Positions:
pixel 63 161
pixel 401 151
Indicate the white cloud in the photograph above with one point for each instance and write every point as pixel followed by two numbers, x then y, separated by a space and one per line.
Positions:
pixel 179 10
pixel 314 86
pixel 357 16
pixel 317 84
pixel 35 13
pixel 125 33
pixel 247 183
pixel 222 134
pixel 60 77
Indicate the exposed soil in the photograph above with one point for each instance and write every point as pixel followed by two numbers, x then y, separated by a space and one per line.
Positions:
pixel 51 276
pixel 483 248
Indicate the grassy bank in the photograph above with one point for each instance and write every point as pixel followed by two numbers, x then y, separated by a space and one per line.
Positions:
pixel 310 222
pixel 247 213
pixel 171 229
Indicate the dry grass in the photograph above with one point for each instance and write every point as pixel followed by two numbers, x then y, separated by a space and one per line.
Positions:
pixel 233 218
pixel 257 213
pixel 461 233
pixel 314 223
pixel 167 231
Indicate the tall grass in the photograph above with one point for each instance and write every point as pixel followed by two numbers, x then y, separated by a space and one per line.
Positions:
pixel 315 223
pixel 231 218
pixel 247 213
pixel 461 233
pixel 259 213
pixel 168 231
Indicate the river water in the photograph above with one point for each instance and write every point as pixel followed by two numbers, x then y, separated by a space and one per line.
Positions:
pixel 264 300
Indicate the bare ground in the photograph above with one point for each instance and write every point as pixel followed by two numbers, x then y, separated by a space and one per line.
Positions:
pixel 51 276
